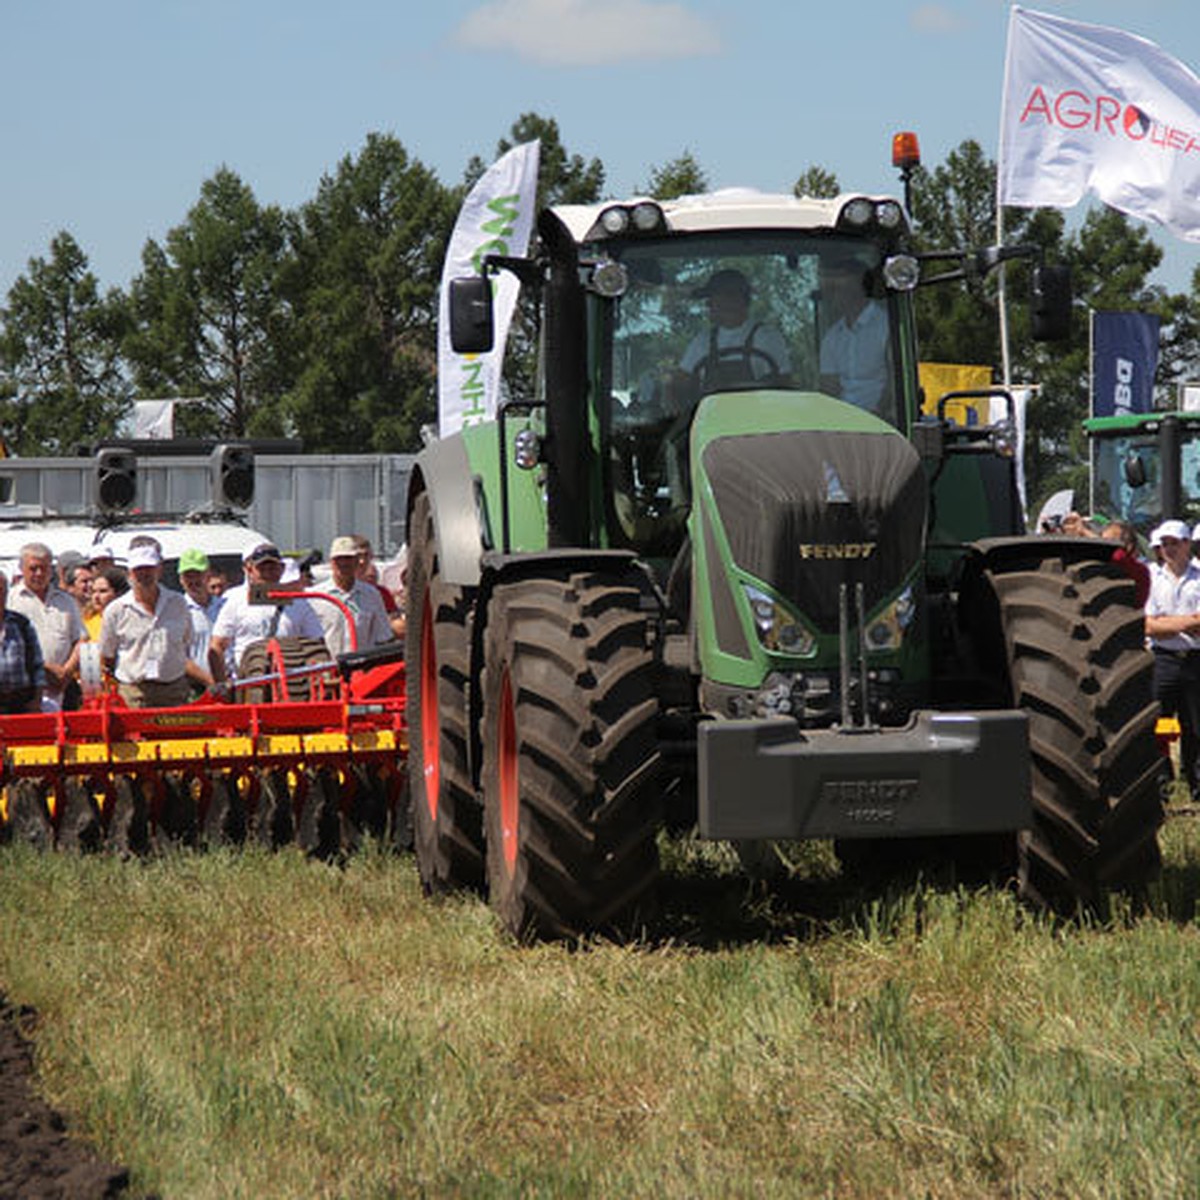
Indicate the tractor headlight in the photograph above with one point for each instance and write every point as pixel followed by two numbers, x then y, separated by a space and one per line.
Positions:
pixel 858 212
pixel 645 217
pixel 901 273
pixel 614 220
pixel 778 631
pixel 648 217
pixel 886 631
pixel 1004 438
pixel 889 214
pixel 609 279
pixel 527 449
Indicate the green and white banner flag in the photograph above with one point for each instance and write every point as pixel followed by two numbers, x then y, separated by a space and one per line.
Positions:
pixel 496 218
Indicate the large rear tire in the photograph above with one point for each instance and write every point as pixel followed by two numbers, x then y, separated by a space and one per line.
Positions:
pixel 1077 663
pixel 570 756
pixel 447 821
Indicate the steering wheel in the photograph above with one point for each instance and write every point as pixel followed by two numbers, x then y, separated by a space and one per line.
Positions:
pixel 744 357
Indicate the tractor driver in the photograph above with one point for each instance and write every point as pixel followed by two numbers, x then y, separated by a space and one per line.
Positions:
pixel 735 349
pixel 854 345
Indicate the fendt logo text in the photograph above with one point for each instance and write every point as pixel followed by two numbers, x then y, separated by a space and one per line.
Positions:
pixel 1107 115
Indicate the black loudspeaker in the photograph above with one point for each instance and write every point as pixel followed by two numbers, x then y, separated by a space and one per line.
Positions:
pixel 116 480
pixel 233 476
pixel 1050 304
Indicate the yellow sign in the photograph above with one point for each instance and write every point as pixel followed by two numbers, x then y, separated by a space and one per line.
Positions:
pixel 939 378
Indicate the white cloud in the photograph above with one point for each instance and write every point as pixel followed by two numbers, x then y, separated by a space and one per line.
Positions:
pixel 936 18
pixel 588 32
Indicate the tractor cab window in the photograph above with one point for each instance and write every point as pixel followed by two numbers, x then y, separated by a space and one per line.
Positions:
pixel 737 313
pixel 1140 502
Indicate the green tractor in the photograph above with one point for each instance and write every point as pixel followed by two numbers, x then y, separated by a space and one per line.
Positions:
pixel 692 581
pixel 1145 467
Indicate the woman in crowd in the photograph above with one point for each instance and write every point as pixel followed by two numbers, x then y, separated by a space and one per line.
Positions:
pixel 107 584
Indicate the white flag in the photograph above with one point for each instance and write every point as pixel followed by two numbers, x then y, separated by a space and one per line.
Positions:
pixel 1085 108
pixel 154 419
pixel 496 218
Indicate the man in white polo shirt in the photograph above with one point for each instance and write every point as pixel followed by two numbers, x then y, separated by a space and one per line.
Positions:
pixel 240 623
pixel 144 637
pixel 58 621
pixel 1173 627
pixel 362 599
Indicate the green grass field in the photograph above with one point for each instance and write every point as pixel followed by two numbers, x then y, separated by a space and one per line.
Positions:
pixel 259 1025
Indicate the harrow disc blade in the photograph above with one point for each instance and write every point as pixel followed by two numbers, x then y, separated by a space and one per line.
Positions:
pixel 29 815
pixel 320 826
pixel 225 820
pixel 128 816
pixel 274 821
pixel 79 824
pixel 366 812
pixel 178 816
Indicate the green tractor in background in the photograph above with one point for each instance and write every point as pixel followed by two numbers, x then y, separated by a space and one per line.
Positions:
pixel 1145 467
pixel 689 583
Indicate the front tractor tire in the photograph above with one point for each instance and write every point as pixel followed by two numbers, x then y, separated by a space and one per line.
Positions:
pixel 447 819
pixel 1077 663
pixel 570 757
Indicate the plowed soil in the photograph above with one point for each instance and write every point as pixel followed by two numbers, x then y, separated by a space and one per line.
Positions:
pixel 38 1156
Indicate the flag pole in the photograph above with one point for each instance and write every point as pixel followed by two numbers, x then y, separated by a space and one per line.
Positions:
pixel 1002 294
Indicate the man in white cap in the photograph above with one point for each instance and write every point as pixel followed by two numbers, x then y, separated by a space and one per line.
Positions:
pixel 1173 627
pixel 144 637
pixel 240 623
pixel 360 597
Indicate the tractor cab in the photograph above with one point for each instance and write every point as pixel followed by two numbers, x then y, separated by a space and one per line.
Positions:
pixel 1145 467
pixel 752 328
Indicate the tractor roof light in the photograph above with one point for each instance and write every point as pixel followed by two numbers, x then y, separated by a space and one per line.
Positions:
pixel 857 213
pixel 863 213
pixel 648 218
pixel 889 214
pixel 615 220
pixel 640 219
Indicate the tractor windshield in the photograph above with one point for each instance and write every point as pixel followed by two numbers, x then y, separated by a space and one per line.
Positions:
pixel 733 313
pixel 1135 495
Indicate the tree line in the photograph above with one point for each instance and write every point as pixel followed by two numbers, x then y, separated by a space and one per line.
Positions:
pixel 320 322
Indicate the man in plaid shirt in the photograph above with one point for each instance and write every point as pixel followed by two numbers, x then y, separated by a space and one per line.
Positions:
pixel 22 672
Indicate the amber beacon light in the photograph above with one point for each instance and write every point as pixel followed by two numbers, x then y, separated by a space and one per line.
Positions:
pixel 906 157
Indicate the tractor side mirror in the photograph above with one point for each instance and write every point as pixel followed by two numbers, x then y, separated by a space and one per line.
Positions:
pixel 1134 470
pixel 472 328
pixel 1050 304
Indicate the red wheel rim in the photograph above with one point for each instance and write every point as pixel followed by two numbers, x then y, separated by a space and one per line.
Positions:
pixel 510 799
pixel 430 725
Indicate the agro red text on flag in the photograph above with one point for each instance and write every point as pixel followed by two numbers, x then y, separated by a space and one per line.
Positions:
pixel 1089 108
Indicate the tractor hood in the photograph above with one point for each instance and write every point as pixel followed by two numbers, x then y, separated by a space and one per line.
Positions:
pixel 806 493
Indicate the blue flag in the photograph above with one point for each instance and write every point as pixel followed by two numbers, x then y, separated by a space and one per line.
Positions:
pixel 1124 359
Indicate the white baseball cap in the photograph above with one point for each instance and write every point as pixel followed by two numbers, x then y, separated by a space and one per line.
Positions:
pixel 144 556
pixel 1179 530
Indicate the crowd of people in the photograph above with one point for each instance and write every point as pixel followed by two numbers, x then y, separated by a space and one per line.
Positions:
pixel 1168 588
pixel 87 619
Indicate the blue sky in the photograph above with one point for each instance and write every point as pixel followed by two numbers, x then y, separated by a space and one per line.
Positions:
pixel 117 112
